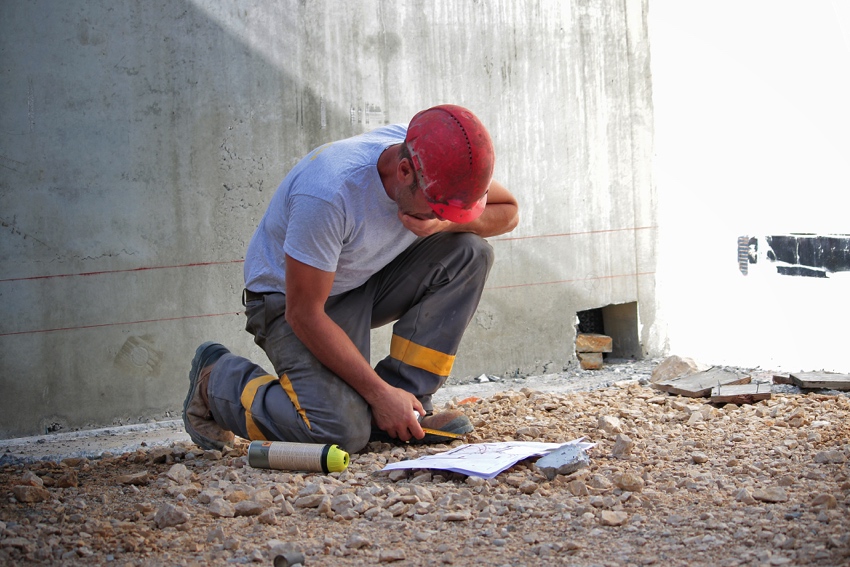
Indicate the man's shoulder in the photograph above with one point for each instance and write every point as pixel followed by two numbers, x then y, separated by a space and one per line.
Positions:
pixel 392 131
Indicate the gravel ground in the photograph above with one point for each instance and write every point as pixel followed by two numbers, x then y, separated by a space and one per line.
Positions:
pixel 672 481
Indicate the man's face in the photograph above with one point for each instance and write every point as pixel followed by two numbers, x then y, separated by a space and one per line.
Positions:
pixel 411 201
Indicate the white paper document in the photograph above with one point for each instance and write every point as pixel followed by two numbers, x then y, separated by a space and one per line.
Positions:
pixel 485 460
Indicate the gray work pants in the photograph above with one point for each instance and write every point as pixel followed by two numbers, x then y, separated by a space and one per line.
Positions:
pixel 431 291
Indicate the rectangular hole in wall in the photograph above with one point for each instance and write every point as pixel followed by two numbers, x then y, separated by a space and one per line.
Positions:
pixel 620 322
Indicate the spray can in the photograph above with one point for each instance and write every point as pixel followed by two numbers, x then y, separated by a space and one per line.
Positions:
pixel 283 455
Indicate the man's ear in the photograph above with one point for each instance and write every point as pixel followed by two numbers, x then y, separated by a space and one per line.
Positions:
pixel 405 172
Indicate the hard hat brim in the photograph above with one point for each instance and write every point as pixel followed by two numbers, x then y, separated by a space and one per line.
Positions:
pixel 459 214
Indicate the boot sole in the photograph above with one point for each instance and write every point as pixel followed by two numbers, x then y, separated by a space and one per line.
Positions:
pixel 202 360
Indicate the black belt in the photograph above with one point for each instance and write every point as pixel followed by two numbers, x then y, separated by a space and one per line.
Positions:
pixel 248 295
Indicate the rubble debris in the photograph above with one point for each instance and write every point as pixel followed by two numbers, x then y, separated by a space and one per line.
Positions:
pixel 728 507
pixel 825 380
pixel 740 393
pixel 699 385
pixel 674 367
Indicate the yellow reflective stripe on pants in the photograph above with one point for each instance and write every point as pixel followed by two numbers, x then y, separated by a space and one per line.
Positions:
pixel 247 399
pixel 421 357
pixel 286 384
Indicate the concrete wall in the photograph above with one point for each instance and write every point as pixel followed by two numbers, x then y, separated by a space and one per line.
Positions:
pixel 752 115
pixel 141 141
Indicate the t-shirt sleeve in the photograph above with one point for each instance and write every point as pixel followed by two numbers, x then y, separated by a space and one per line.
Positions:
pixel 315 232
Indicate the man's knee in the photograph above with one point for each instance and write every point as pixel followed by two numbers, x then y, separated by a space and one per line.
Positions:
pixel 350 435
pixel 476 250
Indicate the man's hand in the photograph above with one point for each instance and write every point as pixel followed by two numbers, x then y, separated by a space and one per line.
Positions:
pixel 392 411
pixel 423 227
pixel 501 215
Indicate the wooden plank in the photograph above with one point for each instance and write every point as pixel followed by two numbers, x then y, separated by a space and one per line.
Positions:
pixel 828 380
pixel 592 342
pixel 740 394
pixel 699 385
pixel 782 379
pixel 590 360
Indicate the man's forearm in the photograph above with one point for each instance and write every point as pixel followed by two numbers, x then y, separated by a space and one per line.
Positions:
pixel 496 219
pixel 501 214
pixel 334 348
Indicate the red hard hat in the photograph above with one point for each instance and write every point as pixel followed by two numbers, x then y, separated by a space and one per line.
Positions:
pixel 453 155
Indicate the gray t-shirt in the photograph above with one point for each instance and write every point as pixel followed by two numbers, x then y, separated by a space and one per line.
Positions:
pixel 331 212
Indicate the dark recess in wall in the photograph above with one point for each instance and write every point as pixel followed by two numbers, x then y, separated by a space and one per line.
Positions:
pixel 618 321
pixel 809 255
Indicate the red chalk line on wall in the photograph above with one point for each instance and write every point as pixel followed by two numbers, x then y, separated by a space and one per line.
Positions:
pixel 226 262
pixel 106 272
pixel 98 325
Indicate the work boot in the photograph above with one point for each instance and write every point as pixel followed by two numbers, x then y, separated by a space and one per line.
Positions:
pixel 197 418
pixel 450 421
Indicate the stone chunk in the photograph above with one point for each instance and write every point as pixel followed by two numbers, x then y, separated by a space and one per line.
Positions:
pixel 221 508
pixel 563 460
pixel 391 555
pixel 673 367
pixel 137 479
pixel 31 479
pixel 629 482
pixel 600 481
pixel 592 342
pixel 622 446
pixel 68 479
pixel 169 515
pixel 609 424
pixel 699 457
pixel 357 541
pixel 772 494
pixel 743 495
pixel 179 474
pixel 456 516
pixel 832 456
pixel 310 501
pixel 249 508
pixel 613 518
pixel 29 493
pixel 825 500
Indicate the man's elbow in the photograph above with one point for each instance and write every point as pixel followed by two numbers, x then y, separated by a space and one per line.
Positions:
pixel 513 222
pixel 295 317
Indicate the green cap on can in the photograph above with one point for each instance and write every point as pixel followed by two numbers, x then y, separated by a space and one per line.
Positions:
pixel 337 459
